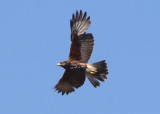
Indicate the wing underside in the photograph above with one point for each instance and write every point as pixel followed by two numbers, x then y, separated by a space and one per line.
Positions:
pixel 70 80
pixel 81 43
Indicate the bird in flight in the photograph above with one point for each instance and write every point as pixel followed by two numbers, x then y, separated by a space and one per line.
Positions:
pixel 76 67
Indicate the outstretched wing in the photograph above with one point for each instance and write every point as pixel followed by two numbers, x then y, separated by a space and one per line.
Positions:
pixel 81 43
pixel 70 80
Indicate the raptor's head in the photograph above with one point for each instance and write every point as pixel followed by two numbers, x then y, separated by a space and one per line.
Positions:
pixel 63 64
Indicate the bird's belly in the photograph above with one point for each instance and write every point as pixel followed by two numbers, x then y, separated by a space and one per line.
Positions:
pixel 77 66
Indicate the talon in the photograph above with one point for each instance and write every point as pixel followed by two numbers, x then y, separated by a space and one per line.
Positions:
pixel 93 71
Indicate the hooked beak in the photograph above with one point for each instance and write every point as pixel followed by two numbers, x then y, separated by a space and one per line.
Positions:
pixel 59 64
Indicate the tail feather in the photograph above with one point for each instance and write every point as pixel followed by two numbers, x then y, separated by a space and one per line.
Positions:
pixel 97 71
pixel 94 82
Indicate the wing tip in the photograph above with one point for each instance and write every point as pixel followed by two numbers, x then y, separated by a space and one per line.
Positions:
pixel 79 23
pixel 64 88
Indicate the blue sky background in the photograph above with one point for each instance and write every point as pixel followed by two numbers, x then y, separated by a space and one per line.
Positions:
pixel 35 36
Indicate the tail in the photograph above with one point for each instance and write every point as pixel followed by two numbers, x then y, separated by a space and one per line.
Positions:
pixel 97 71
pixel 79 24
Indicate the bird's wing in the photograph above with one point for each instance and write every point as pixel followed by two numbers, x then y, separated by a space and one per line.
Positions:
pixel 71 79
pixel 81 43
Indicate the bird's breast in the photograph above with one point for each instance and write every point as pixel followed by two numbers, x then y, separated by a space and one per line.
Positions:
pixel 77 66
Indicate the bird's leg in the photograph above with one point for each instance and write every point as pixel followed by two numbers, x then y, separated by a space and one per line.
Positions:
pixel 93 71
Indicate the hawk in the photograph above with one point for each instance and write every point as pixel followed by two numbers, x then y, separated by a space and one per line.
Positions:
pixel 76 67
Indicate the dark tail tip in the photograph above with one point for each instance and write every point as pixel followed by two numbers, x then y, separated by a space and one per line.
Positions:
pixel 101 66
pixel 99 72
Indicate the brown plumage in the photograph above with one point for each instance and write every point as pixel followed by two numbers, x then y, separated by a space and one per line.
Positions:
pixel 80 52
